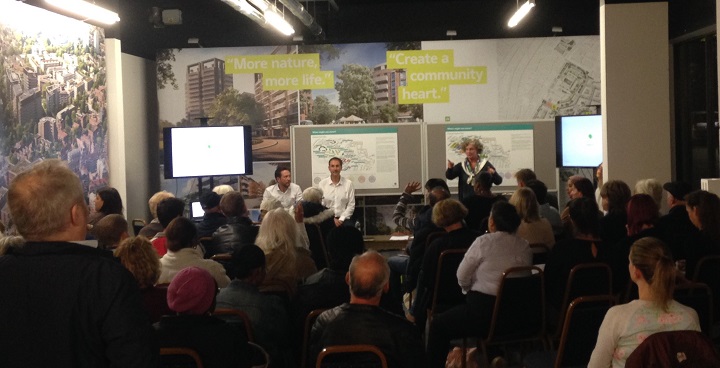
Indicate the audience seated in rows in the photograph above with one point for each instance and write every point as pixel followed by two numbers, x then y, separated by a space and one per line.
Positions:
pixel 154 226
pixel 424 214
pixel 627 326
pixel 546 210
pixel 525 177
pixel 212 216
pixel 577 187
pixel 315 214
pixel 139 257
pixel 110 231
pixel 168 209
pixel 533 228
pixel 651 187
pixel 183 252
pixel 268 313
pixel 191 295
pixel 362 321
pixel 481 202
pixel 64 304
pixel 479 276
pixel 704 211
pixel 676 225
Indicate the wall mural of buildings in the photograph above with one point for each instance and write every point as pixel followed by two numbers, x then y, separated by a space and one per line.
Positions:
pixel 52 96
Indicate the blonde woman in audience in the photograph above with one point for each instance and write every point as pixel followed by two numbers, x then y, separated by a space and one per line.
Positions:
pixel 651 187
pixel 222 189
pixel 533 228
pixel 154 226
pixel 286 261
pixel 139 257
pixel 182 252
pixel 627 326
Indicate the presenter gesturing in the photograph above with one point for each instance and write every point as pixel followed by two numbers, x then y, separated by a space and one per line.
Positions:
pixel 338 192
pixel 471 166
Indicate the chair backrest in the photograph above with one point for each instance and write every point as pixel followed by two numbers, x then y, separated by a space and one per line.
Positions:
pixel 540 252
pixel 699 297
pixel 235 315
pixel 179 358
pixel 432 236
pixel 446 290
pixel 519 312
pixel 707 271
pixel 674 349
pixel 580 330
pixel 360 355
pixel 309 321
pixel 137 225
pixel 585 279
pixel 317 245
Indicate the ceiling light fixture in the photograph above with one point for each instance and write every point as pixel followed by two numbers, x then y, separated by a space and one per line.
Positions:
pixel 274 19
pixel 86 10
pixel 263 13
pixel 521 13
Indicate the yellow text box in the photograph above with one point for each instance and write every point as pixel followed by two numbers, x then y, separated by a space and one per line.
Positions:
pixel 244 64
pixel 427 59
pixel 459 75
pixel 291 80
pixel 418 95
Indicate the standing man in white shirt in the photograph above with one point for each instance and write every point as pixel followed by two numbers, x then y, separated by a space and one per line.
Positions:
pixel 338 192
pixel 286 192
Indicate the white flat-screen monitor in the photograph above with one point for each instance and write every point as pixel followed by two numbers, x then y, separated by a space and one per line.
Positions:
pixel 207 151
pixel 579 140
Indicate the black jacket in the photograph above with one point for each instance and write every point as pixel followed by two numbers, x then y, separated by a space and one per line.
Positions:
pixel 68 305
pixel 237 232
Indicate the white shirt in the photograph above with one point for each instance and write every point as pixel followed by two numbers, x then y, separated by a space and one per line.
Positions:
pixel 173 262
pixel 288 198
pixel 339 197
pixel 488 257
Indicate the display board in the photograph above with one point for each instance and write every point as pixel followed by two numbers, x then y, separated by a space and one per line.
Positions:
pixel 510 145
pixel 379 158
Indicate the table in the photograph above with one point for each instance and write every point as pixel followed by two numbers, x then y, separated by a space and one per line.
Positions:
pixel 383 242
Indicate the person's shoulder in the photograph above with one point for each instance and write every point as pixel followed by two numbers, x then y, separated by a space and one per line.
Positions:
pixel 294 186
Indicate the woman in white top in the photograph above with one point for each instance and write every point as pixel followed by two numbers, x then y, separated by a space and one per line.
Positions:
pixel 626 326
pixel 533 228
pixel 479 276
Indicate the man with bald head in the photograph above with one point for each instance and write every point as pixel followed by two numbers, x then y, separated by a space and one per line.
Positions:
pixel 63 304
pixel 362 321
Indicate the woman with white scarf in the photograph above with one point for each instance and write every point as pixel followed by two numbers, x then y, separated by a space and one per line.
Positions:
pixel 474 163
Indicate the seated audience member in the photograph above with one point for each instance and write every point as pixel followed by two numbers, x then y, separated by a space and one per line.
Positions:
pixel 704 211
pixel 182 252
pixel 362 321
pixel 676 225
pixel 110 231
pixel 168 209
pixel 642 214
pixel 626 326
pixel 154 226
pixel 448 214
pixel 107 201
pixel 191 295
pixel 222 189
pixel 409 264
pixel 64 304
pixel 479 276
pixel 212 217
pixel 546 210
pixel 267 313
pixel 532 228
pixel 10 242
pixel 525 177
pixel 584 247
pixel 314 213
pixel 577 187
pixel 614 195
pixel 139 257
pixel 268 205
pixel 424 215
pixel 481 202
pixel 239 229
pixel 651 187
pixel 286 262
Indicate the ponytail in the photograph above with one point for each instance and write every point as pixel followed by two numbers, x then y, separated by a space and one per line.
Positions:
pixel 652 257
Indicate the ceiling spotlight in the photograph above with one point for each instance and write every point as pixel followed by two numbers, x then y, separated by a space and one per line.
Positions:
pixel 87 10
pixel 521 13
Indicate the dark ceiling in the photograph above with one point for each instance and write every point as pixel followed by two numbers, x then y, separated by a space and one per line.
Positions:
pixel 215 24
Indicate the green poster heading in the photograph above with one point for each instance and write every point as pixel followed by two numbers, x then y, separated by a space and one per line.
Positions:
pixel 367 130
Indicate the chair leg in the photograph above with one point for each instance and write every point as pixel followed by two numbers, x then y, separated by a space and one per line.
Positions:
pixel 463 364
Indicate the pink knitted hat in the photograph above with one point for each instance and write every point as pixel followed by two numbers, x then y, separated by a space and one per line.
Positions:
pixel 191 291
